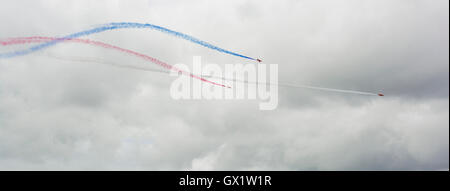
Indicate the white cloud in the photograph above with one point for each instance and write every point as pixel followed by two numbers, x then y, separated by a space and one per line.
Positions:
pixel 62 115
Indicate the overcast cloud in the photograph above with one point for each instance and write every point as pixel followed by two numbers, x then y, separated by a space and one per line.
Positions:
pixel 60 115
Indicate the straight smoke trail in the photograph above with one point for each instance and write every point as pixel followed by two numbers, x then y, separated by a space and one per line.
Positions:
pixel 115 26
pixel 110 63
pixel 330 89
pixel 24 40
pixel 287 85
pixel 37 39
pixel 291 85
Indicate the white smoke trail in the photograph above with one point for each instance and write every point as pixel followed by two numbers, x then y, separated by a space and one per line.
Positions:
pixel 100 61
pixel 288 85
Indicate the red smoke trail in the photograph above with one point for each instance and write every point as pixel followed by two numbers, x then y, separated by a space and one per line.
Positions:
pixel 37 39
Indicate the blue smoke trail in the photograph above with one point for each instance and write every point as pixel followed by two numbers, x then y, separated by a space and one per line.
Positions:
pixel 114 26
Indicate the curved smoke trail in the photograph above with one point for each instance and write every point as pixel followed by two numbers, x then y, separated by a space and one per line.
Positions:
pixel 37 39
pixel 114 26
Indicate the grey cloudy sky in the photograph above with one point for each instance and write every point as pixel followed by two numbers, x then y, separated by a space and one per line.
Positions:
pixel 59 115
